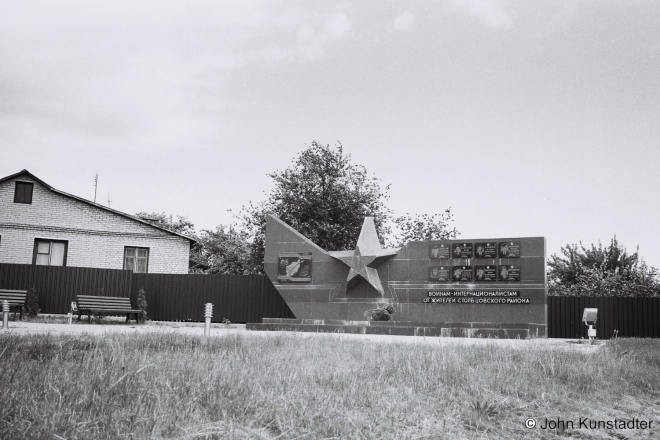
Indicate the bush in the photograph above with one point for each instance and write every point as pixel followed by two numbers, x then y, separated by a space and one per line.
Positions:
pixel 142 304
pixel 32 303
pixel 601 271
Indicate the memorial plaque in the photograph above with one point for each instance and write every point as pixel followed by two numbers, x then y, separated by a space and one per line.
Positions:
pixel 294 267
pixel 439 273
pixel 462 250
pixel 509 249
pixel 509 272
pixel 485 273
pixel 485 250
pixel 439 251
pixel 461 273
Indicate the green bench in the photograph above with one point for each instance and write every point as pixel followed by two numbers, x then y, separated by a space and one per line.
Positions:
pixel 106 305
pixel 16 299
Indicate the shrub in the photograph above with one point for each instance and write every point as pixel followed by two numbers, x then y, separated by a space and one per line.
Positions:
pixel 142 303
pixel 32 303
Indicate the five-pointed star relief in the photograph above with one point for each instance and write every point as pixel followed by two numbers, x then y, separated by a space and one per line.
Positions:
pixel 365 259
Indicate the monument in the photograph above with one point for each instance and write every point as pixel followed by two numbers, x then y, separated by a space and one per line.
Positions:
pixel 494 287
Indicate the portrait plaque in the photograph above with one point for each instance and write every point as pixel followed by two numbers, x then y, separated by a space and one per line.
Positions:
pixel 509 272
pixel 294 267
pixel 485 273
pixel 439 273
pixel 461 250
pixel 440 250
pixel 509 249
pixel 461 273
pixel 485 250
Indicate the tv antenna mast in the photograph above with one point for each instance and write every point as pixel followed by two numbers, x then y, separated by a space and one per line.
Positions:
pixel 96 181
pixel 109 201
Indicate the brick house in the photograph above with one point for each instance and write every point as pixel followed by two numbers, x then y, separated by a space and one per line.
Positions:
pixel 44 226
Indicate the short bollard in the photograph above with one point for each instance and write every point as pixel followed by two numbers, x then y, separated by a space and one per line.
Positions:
pixel 5 315
pixel 208 314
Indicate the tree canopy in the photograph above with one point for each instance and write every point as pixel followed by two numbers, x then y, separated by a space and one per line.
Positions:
pixel 325 197
pixel 601 271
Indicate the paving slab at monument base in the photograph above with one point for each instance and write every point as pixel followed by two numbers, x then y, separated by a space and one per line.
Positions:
pixel 495 330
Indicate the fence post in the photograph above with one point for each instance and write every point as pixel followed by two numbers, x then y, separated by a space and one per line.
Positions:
pixel 208 314
pixel 5 315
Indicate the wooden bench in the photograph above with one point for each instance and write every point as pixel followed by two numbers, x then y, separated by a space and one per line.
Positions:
pixel 106 305
pixel 16 299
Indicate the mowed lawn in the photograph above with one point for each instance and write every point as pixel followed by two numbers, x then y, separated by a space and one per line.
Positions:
pixel 292 387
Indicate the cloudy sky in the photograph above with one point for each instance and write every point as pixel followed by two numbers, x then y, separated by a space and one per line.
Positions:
pixel 526 118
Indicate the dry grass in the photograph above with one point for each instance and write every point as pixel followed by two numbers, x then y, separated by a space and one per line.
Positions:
pixel 290 387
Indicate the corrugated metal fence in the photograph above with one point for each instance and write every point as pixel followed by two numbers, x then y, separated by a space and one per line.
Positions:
pixel 239 298
pixel 58 286
pixel 632 317
pixel 249 298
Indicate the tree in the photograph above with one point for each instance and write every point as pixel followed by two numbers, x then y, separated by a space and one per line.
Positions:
pixel 423 227
pixel 225 250
pixel 323 196
pixel 182 225
pixel 601 271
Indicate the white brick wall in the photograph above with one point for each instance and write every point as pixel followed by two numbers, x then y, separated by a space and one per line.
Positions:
pixel 96 237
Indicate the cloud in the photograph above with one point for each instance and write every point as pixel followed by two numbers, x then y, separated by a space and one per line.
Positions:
pixel 144 73
pixel 404 21
pixel 490 12
pixel 336 26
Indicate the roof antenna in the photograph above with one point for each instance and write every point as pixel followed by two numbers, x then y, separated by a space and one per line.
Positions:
pixel 96 181
pixel 109 201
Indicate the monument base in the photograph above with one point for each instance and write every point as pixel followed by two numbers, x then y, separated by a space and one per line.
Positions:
pixel 494 330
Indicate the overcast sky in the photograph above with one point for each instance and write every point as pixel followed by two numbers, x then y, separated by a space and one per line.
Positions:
pixel 526 118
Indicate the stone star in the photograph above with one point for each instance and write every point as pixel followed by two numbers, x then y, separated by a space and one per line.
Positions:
pixel 365 259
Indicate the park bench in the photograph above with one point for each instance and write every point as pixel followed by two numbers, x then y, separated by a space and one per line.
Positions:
pixel 16 299
pixel 106 305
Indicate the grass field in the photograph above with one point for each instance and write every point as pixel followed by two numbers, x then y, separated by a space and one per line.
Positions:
pixel 291 387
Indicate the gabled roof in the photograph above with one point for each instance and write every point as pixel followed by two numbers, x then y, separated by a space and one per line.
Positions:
pixel 105 208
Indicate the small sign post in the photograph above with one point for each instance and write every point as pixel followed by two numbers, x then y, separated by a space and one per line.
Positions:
pixel 589 318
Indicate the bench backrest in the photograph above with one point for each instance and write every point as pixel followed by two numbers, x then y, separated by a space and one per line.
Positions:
pixel 104 302
pixel 14 297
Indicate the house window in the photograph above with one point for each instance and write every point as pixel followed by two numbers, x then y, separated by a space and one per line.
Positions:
pixel 50 252
pixel 23 192
pixel 136 259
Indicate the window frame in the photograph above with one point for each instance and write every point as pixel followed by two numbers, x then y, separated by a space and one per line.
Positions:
pixel 16 192
pixel 50 241
pixel 148 249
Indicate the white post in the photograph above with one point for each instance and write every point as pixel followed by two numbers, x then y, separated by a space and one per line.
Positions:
pixel 208 314
pixel 5 315
pixel 592 334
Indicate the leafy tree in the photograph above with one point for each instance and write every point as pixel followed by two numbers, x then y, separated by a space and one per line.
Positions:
pixel 225 250
pixel 323 196
pixel 423 227
pixel 182 225
pixel 601 271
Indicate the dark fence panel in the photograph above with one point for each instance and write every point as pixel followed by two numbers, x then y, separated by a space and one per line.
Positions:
pixel 632 317
pixel 58 286
pixel 239 298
